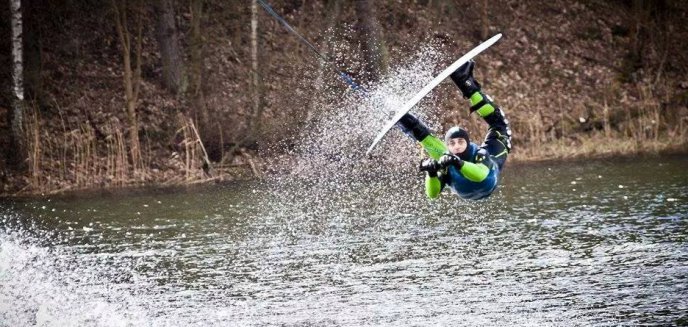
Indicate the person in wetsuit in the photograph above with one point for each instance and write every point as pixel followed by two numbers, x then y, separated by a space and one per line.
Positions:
pixel 470 171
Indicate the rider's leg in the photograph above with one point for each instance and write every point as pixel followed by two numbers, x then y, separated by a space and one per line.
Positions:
pixel 415 129
pixel 498 139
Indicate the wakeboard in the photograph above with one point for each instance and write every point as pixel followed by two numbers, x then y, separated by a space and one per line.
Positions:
pixel 423 92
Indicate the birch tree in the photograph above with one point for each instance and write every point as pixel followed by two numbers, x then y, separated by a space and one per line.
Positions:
pixel 17 82
pixel 254 123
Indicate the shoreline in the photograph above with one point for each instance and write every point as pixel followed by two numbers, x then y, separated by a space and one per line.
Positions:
pixel 645 153
pixel 247 173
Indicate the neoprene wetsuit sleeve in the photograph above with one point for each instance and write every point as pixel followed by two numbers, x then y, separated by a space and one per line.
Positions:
pixel 474 172
pixel 434 147
pixel 433 186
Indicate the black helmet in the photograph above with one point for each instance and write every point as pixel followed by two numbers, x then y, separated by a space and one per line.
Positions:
pixel 456 132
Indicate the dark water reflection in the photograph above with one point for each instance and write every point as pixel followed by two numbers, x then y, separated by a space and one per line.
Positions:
pixel 586 243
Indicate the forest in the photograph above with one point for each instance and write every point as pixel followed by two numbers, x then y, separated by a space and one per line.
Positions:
pixel 102 94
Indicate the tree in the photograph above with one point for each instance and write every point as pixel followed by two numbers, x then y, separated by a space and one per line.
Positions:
pixel 484 21
pixel 254 123
pixel 132 77
pixel 372 41
pixel 199 114
pixel 200 111
pixel 332 11
pixel 33 52
pixel 168 42
pixel 17 84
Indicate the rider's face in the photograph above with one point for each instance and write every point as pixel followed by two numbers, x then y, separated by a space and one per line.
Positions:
pixel 457 145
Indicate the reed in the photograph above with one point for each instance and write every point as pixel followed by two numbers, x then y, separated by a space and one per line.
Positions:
pixel 76 159
pixel 33 136
pixel 616 125
pixel 84 160
pixel 193 152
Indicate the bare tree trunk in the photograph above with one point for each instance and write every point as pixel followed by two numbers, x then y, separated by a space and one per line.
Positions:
pixel 484 21
pixel 332 9
pixel 254 56
pixel 636 29
pixel 254 123
pixel 170 53
pixel 372 40
pixel 17 85
pixel 132 78
pixel 633 60
pixel 33 54
pixel 199 114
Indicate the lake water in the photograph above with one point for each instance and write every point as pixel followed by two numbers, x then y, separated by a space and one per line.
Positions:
pixel 599 243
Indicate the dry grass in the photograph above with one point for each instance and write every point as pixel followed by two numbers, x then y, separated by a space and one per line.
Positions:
pixel 598 130
pixel 77 159
pixel 596 145
pixel 192 151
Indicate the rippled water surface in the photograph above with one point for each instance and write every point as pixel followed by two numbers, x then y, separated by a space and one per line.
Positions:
pixel 586 243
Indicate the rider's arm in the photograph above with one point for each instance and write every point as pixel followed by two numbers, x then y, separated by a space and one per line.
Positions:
pixel 474 172
pixel 478 171
pixel 433 186
pixel 434 180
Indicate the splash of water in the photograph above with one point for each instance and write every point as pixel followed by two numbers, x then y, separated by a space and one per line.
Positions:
pixel 328 162
pixel 48 286
pixel 325 187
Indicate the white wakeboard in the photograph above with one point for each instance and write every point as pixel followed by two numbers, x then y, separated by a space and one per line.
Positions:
pixel 423 92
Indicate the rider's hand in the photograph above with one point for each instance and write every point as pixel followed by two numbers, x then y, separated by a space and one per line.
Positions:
pixel 450 160
pixel 429 165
